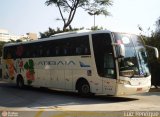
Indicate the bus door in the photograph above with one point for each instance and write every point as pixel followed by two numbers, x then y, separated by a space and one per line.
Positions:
pixel 109 74
pixel 105 63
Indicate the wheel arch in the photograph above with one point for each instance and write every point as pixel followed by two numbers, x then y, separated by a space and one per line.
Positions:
pixel 81 80
pixel 19 76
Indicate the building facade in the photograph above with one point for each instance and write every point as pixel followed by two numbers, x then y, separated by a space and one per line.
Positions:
pixel 6 36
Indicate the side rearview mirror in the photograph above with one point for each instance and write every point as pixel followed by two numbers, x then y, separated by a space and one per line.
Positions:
pixel 120 50
pixel 155 51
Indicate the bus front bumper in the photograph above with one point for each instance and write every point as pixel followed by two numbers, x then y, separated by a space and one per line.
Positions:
pixel 126 89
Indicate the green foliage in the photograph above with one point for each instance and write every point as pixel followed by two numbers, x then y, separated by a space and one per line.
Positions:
pixel 95 7
pixel 1 46
pixel 14 41
pixel 51 31
pixel 98 7
pixel 153 40
pixel 96 28
pixel 150 41
pixel 158 26
pixel 29 66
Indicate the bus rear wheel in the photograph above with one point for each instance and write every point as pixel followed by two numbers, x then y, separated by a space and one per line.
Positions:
pixel 20 83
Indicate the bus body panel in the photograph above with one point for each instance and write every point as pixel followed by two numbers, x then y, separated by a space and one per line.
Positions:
pixel 109 86
pixel 63 71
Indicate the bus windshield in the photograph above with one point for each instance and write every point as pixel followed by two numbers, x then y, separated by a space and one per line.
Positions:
pixel 134 63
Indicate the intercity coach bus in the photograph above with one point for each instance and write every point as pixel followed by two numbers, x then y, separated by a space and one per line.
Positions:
pixel 97 62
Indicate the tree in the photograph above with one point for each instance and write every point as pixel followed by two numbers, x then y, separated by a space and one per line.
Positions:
pixel 70 6
pixel 153 40
pixel 158 26
pixel 51 31
pixel 98 8
pixel 1 47
pixel 95 28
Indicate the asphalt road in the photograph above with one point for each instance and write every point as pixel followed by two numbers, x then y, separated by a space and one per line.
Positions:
pixel 12 98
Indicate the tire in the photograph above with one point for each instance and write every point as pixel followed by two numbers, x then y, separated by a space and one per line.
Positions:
pixel 84 89
pixel 20 83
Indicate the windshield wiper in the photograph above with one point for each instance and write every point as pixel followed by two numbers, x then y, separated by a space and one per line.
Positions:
pixel 146 74
pixel 133 74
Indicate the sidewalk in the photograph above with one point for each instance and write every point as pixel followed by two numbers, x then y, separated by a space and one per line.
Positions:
pixel 154 89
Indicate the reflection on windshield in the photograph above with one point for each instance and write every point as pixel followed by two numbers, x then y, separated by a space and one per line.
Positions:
pixel 144 68
pixel 135 61
pixel 129 63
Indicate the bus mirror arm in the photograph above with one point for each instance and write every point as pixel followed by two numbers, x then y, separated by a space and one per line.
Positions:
pixel 121 49
pixel 155 50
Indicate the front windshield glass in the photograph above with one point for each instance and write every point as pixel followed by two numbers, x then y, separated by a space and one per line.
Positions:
pixel 135 63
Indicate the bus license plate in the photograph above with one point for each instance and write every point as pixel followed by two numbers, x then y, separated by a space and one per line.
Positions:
pixel 139 89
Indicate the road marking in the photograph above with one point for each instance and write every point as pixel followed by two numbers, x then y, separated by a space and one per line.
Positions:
pixel 77 114
pixel 39 113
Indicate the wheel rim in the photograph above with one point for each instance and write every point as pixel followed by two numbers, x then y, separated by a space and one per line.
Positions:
pixel 85 89
pixel 20 83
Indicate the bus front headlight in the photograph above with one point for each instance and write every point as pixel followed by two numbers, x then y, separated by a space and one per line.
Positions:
pixel 127 73
pixel 124 82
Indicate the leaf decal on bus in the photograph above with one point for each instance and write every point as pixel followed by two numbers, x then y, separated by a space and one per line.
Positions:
pixel 29 67
pixel 10 68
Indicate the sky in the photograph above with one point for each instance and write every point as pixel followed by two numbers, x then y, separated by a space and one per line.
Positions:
pixel 23 16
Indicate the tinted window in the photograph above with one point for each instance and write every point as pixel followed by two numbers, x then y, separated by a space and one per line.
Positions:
pixel 103 52
pixel 62 47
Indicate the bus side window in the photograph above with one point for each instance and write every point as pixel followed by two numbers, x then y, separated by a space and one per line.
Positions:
pixel 78 50
pixel 9 55
pixel 27 54
pixel 48 52
pixel 82 45
pixel 40 52
pixel 28 51
pixel 57 51
pixel 86 51
pixel 34 54
pixel 66 51
pixel 4 53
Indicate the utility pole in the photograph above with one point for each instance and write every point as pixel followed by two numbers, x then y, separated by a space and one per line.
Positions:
pixel 94 13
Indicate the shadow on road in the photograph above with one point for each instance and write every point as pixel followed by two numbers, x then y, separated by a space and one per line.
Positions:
pixel 30 97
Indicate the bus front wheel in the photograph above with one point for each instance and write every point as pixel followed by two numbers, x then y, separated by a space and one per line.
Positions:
pixel 84 89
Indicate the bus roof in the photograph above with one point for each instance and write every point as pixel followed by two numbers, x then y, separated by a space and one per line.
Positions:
pixel 62 36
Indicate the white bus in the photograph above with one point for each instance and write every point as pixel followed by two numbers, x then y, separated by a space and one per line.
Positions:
pixel 99 62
